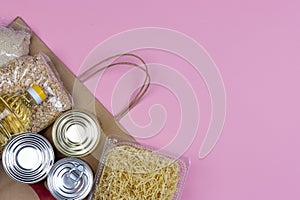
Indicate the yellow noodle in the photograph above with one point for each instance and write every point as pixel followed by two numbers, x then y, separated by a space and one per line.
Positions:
pixel 134 173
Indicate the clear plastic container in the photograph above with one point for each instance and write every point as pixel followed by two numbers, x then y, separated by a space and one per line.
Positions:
pixel 128 170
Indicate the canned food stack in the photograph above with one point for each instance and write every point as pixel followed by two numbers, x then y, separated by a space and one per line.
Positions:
pixel 75 133
pixel 29 157
pixel 32 98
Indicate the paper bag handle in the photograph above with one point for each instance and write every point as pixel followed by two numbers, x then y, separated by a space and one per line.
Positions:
pixel 93 70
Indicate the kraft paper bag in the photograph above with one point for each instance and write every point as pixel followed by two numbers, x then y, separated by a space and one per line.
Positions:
pixel 11 190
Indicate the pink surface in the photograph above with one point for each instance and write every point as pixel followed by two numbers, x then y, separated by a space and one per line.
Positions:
pixel 255 44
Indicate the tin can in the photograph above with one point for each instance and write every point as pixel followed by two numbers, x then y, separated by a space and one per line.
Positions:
pixel 28 158
pixel 70 178
pixel 76 133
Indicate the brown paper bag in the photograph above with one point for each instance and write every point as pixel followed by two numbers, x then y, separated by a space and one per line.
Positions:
pixel 11 190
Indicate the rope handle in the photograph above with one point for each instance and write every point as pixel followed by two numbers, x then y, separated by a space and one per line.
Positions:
pixel 93 70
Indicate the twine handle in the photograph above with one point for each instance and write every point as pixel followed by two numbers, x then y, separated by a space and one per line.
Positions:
pixel 93 70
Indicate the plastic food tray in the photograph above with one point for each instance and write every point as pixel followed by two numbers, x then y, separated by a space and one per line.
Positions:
pixel 113 142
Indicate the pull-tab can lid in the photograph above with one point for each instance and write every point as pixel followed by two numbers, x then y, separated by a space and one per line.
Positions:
pixel 28 157
pixel 70 178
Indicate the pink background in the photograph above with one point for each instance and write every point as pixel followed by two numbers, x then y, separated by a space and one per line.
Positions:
pixel 255 44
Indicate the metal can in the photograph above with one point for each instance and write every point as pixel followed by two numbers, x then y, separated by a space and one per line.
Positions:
pixel 28 158
pixel 70 178
pixel 76 133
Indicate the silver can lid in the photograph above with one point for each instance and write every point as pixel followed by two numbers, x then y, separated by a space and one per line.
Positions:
pixel 28 158
pixel 70 178
pixel 76 133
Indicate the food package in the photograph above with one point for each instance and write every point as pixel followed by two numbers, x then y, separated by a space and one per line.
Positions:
pixel 21 73
pixel 14 42
pixel 134 171
pixel 38 191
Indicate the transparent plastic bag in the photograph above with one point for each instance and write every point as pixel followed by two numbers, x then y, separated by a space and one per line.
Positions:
pixel 21 73
pixel 14 42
